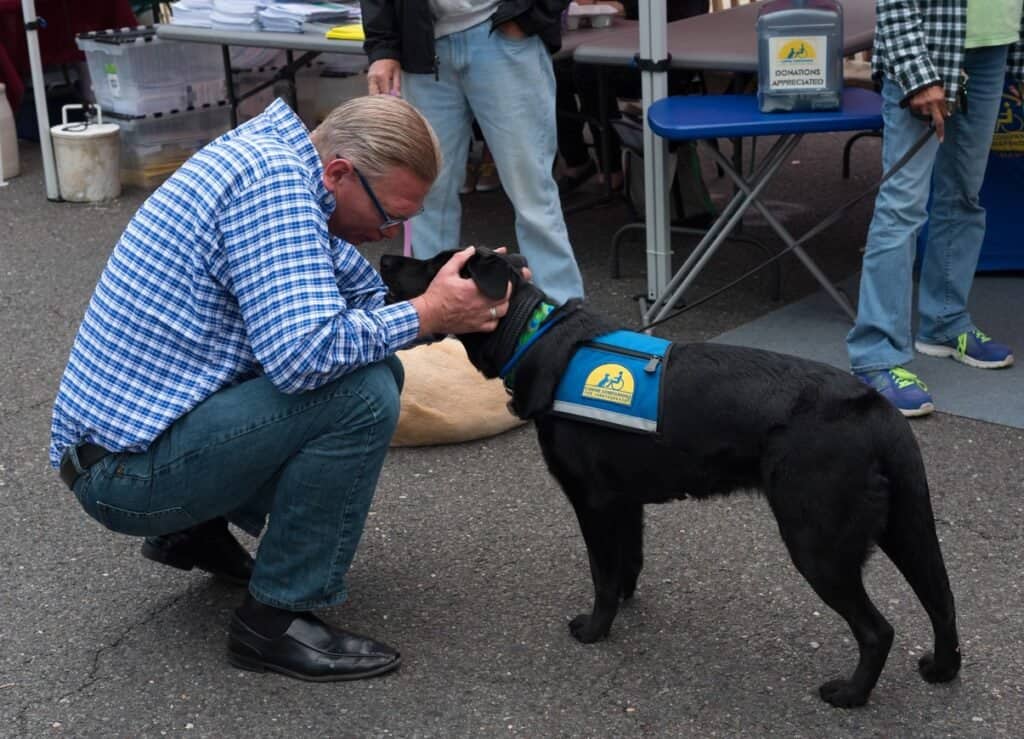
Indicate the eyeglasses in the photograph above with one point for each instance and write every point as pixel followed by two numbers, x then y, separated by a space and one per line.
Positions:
pixel 387 221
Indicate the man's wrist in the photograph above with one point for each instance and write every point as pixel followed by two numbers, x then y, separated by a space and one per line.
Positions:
pixel 424 308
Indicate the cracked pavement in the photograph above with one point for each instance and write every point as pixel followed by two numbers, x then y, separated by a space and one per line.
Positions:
pixel 471 562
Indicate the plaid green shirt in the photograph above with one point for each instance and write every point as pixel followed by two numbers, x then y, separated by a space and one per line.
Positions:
pixel 921 42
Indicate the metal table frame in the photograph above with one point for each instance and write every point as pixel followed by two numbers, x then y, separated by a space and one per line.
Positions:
pixel 701 119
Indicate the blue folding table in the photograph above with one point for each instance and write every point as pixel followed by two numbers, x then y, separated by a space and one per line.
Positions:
pixel 704 118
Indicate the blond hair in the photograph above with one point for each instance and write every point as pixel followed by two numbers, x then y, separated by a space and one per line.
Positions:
pixel 377 133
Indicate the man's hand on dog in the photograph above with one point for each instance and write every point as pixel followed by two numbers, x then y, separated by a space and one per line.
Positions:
pixel 453 304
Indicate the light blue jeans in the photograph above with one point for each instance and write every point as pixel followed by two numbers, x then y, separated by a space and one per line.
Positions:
pixel 881 336
pixel 509 87
pixel 309 460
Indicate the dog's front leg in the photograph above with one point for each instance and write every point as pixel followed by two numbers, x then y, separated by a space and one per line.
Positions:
pixel 603 548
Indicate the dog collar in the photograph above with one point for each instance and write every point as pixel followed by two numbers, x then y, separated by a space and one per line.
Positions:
pixel 541 320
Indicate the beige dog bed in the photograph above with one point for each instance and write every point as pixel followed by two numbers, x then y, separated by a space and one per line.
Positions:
pixel 446 400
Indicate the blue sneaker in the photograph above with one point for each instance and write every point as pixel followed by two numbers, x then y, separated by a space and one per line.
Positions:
pixel 973 348
pixel 901 388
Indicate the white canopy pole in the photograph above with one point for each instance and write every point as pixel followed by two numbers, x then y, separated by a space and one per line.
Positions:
pixel 654 48
pixel 28 10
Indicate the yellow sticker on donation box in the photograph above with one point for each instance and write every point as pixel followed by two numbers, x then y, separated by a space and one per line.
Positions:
pixel 798 63
pixel 611 383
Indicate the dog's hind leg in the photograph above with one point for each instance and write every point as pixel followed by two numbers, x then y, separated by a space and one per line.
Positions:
pixel 600 530
pixel 912 544
pixel 631 548
pixel 829 545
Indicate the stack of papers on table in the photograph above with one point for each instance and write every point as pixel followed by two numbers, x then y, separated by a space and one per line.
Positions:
pixel 235 15
pixel 192 13
pixel 289 17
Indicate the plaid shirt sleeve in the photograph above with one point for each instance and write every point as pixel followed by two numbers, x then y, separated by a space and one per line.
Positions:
pixel 1015 63
pixel 921 42
pixel 312 308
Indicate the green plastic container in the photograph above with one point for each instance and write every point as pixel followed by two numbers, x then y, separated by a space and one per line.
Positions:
pixel 800 55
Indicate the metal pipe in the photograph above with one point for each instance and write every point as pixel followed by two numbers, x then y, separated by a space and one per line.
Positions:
pixel 28 11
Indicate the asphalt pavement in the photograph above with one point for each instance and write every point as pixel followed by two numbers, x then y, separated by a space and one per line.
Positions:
pixel 471 562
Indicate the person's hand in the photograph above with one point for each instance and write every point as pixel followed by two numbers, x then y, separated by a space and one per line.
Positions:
pixel 931 103
pixel 385 77
pixel 453 304
pixel 511 29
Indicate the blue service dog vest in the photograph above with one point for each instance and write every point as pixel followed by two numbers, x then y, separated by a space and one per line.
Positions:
pixel 615 380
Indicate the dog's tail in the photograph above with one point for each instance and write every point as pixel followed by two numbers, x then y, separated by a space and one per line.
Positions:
pixel 911 542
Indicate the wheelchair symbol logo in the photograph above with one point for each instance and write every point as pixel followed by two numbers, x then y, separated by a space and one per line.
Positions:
pixel 612 383
pixel 797 50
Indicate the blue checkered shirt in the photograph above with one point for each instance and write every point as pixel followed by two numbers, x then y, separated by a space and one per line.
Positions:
pixel 227 272
pixel 921 42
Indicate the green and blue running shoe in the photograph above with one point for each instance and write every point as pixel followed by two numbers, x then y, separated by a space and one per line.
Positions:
pixel 973 348
pixel 901 388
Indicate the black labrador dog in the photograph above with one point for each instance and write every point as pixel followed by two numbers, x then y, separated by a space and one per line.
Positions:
pixel 840 467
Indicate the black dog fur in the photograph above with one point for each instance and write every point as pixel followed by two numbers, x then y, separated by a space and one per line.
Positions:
pixel 840 467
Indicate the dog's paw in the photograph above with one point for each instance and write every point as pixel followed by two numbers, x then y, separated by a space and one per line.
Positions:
pixel 843 694
pixel 934 672
pixel 581 628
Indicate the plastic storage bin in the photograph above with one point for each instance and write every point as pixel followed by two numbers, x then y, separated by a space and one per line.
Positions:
pixel 132 72
pixel 154 146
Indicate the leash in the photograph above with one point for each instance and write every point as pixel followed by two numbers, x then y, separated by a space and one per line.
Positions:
pixel 831 219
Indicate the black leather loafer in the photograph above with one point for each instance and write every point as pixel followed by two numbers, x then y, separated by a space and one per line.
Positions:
pixel 310 650
pixel 208 546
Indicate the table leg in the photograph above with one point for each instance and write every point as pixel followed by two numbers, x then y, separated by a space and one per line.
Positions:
pixel 791 243
pixel 229 81
pixel 727 221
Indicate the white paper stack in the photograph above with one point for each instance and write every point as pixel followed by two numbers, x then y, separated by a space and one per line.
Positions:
pixel 235 15
pixel 192 13
pixel 288 17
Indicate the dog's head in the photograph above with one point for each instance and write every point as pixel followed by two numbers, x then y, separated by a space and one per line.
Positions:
pixel 407 278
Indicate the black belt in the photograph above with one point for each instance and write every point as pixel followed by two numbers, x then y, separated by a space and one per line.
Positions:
pixel 88 455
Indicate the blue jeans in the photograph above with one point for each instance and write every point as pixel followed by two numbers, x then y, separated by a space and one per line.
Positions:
pixel 309 460
pixel 881 336
pixel 508 85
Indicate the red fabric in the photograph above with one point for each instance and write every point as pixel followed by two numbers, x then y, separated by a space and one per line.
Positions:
pixel 64 19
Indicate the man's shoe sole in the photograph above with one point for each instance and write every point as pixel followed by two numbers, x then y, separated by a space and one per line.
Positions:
pixel 255 664
pixel 941 350
pixel 182 562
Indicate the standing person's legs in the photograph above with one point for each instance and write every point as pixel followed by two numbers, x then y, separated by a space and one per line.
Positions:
pixel 881 336
pixel 443 103
pixel 571 145
pixel 510 86
pixel 956 225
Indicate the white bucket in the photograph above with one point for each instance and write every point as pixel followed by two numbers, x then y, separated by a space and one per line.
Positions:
pixel 88 158
pixel 9 166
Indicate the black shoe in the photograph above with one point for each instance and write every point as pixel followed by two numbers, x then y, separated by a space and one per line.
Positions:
pixel 310 650
pixel 569 182
pixel 208 546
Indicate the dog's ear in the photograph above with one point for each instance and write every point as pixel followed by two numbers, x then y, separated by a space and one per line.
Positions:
pixel 518 261
pixel 491 272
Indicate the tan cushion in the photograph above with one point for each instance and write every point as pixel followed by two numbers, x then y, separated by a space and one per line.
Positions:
pixel 446 400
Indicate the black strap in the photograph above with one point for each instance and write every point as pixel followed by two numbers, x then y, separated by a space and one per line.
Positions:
pixel 650 65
